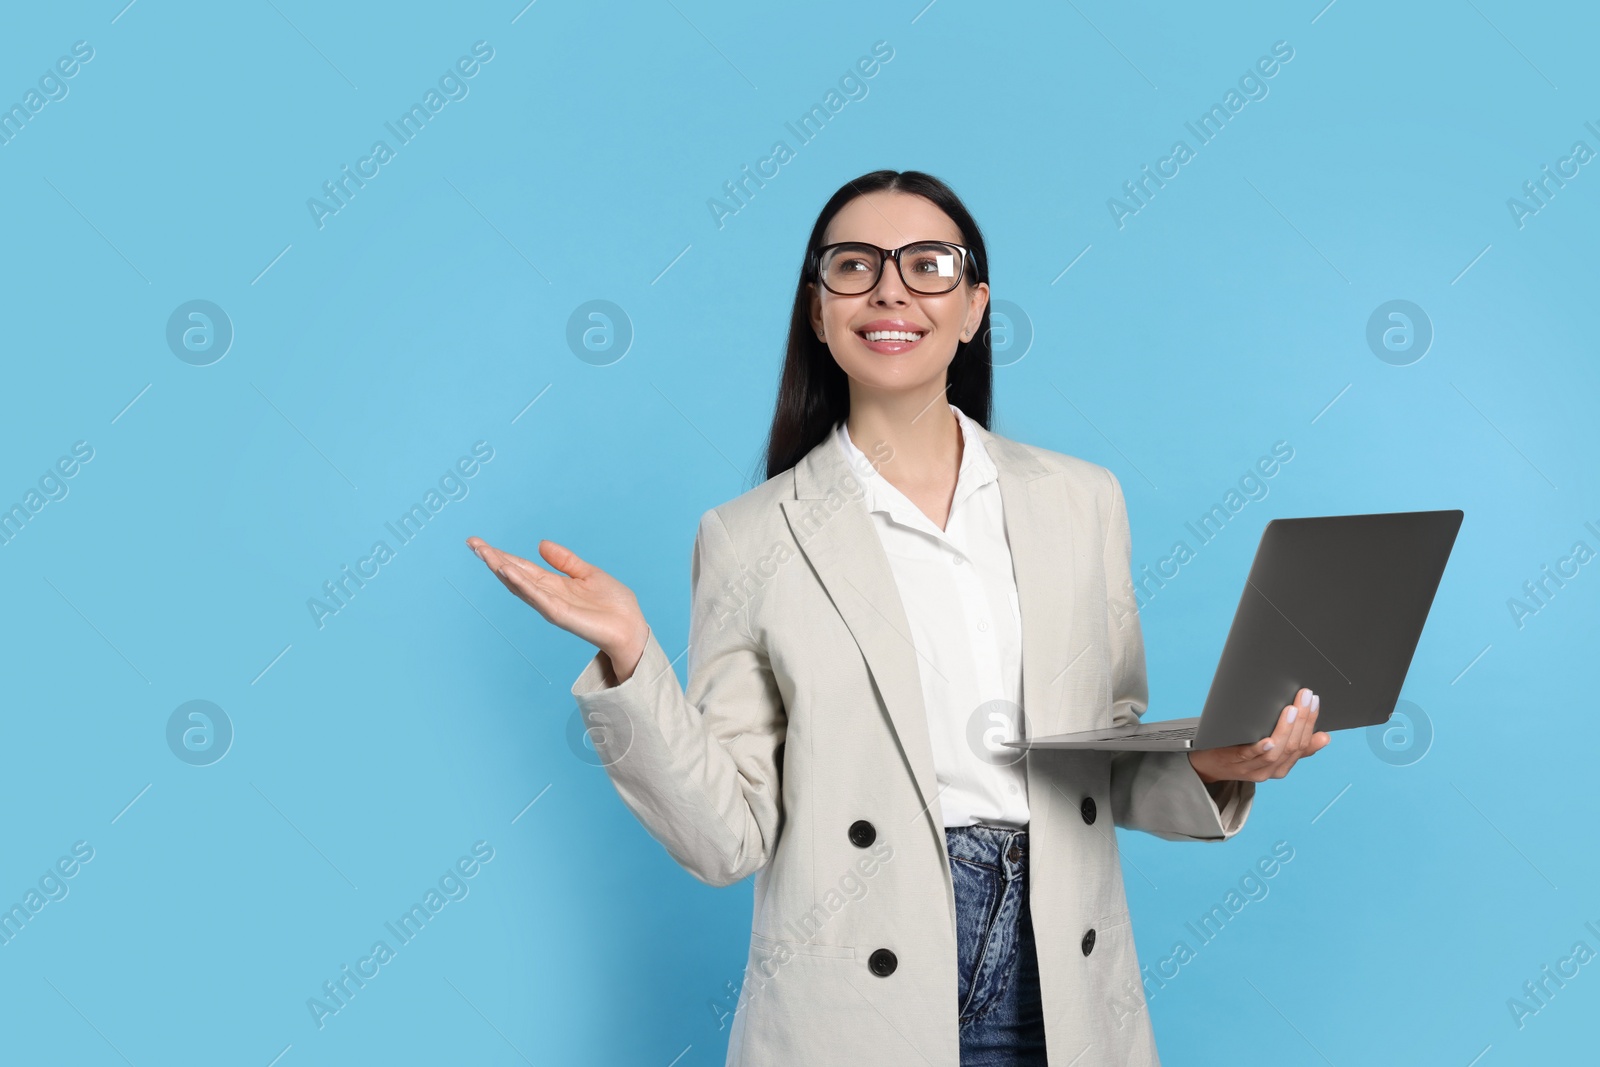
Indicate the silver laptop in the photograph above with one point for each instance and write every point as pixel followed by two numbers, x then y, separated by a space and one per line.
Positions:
pixel 1335 603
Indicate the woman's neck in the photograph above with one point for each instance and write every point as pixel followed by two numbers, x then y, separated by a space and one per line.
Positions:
pixel 924 439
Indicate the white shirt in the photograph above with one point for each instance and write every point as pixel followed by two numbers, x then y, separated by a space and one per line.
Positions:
pixel 960 599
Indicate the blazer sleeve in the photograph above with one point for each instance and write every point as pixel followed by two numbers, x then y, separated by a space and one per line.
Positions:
pixel 699 768
pixel 1157 792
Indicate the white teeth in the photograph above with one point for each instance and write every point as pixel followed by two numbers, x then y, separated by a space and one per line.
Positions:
pixel 891 335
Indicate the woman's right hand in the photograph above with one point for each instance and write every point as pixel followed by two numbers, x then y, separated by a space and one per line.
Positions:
pixel 583 600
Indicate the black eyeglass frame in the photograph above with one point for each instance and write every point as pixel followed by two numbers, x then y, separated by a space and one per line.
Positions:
pixel 886 254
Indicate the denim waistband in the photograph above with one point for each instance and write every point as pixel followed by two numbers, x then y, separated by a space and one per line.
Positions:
pixel 1005 848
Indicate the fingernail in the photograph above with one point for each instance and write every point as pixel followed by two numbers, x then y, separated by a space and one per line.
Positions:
pixel 1304 699
pixel 1293 711
pixel 1266 746
pixel 1316 702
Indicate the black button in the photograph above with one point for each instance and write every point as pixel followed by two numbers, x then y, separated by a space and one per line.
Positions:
pixel 1088 809
pixel 862 834
pixel 882 962
pixel 1014 853
pixel 1088 941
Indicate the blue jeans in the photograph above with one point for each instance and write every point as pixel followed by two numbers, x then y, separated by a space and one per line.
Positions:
pixel 1001 1018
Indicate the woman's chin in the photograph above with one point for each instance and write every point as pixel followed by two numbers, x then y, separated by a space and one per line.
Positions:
pixel 894 373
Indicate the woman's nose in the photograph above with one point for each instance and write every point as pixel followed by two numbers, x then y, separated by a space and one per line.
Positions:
pixel 890 290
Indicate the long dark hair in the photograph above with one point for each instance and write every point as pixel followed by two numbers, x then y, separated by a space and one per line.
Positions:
pixel 813 392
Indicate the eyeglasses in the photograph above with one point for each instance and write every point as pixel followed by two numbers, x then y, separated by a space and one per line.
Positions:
pixel 926 267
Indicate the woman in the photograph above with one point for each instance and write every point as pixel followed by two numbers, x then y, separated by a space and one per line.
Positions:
pixel 864 632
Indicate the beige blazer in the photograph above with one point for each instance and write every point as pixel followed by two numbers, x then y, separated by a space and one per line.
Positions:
pixel 801 753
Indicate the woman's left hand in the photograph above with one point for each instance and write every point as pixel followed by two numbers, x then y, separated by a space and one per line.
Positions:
pixel 1295 737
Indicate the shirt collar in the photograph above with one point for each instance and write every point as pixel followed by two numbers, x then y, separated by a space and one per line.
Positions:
pixel 977 470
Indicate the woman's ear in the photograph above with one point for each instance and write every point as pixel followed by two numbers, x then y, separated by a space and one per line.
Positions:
pixel 975 305
pixel 815 312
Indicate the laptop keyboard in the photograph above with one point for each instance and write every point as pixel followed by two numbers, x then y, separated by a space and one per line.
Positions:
pixel 1161 735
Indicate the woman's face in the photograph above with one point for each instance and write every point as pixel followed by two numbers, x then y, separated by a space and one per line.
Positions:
pixel 890 220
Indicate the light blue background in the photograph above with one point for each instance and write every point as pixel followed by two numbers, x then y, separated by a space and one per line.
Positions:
pixel 1228 314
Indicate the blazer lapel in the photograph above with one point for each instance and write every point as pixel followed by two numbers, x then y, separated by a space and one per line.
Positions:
pixel 837 536
pixel 1039 531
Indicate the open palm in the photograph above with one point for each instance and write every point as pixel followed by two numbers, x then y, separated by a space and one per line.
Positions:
pixel 576 596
